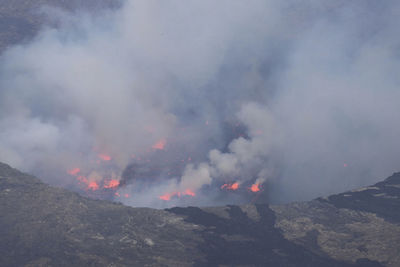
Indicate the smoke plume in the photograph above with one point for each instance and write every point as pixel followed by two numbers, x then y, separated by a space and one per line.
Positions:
pixel 177 101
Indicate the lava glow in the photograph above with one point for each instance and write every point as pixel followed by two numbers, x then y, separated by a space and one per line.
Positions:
pixel 74 171
pixel 104 157
pixel 187 192
pixel 234 186
pixel 111 184
pixel 90 185
pixel 166 197
pixel 82 179
pixel 93 186
pixel 160 145
pixel 255 188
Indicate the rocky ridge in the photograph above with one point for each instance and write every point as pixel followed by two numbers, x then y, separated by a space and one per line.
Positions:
pixel 45 226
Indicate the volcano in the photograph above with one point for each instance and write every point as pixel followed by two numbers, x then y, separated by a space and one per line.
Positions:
pixel 227 120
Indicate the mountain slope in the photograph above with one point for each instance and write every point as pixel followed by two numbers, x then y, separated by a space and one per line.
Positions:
pixel 45 226
pixel 50 226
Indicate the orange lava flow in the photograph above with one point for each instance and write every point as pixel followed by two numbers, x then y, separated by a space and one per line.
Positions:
pixel 255 188
pixel 74 171
pixel 234 186
pixel 111 184
pixel 104 157
pixel 160 145
pixel 168 196
pixel 93 186
pixel 189 192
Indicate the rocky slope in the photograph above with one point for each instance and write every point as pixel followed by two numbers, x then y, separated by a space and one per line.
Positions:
pixel 46 226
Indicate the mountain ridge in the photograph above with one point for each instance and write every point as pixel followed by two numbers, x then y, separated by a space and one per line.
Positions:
pixel 47 226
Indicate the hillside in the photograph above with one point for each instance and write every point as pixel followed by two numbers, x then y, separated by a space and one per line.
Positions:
pixel 45 226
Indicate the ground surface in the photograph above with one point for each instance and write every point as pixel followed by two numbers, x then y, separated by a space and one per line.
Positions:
pixel 45 226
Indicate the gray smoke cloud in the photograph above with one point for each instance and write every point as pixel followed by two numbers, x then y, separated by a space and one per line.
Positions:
pixel 298 96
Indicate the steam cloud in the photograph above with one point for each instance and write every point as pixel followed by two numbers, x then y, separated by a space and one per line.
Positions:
pixel 300 96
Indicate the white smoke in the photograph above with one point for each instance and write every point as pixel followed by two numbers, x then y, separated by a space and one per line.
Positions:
pixel 246 158
pixel 310 86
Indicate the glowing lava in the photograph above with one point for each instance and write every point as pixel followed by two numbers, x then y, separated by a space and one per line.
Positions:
pixel 82 179
pixel 74 171
pixel 93 181
pixel 255 188
pixel 166 197
pixel 104 157
pixel 111 184
pixel 187 192
pixel 234 186
pixel 93 186
pixel 160 145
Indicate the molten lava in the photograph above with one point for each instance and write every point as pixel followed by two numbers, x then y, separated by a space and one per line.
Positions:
pixel 160 145
pixel 234 186
pixel 255 188
pixel 74 171
pixel 104 157
pixel 93 186
pixel 90 185
pixel 111 184
pixel 168 196
pixel 189 192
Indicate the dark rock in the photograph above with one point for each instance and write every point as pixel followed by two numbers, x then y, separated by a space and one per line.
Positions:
pixel 46 226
